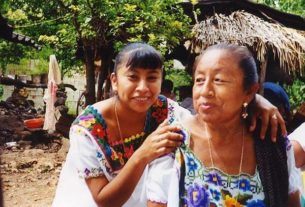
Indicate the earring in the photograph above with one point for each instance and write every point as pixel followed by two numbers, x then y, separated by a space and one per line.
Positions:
pixel 244 112
pixel 115 92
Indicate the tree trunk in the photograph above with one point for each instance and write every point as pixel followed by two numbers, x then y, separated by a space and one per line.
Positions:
pixel 101 79
pixel 90 78
pixel 106 69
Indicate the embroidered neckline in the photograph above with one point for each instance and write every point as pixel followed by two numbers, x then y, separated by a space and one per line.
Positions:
pixel 210 169
pixel 127 139
pixel 112 152
pixel 102 121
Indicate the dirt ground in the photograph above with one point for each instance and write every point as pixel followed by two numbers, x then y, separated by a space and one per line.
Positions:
pixel 29 176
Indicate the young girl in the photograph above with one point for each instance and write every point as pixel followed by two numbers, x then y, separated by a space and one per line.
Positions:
pixel 112 141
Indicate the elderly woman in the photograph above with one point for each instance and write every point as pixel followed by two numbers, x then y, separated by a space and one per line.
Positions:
pixel 221 163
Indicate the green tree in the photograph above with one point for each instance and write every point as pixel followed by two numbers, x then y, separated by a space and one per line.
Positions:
pixel 98 29
pixel 289 6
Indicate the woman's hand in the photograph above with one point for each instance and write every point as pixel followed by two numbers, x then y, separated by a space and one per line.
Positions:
pixel 162 141
pixel 268 114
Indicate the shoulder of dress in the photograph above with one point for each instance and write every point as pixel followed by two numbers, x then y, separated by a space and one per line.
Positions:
pixel 91 121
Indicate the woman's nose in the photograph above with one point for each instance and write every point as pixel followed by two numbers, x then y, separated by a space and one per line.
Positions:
pixel 207 89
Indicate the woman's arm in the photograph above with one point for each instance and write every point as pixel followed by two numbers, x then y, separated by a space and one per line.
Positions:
pixel 297 138
pixel 299 154
pixel 153 204
pixel 267 113
pixel 118 191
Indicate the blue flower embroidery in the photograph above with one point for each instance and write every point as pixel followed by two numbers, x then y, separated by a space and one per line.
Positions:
pixel 98 155
pixel 214 178
pixel 257 203
pixel 197 196
pixel 108 151
pixel 191 164
pixel 87 171
pixel 244 184
pixel 183 135
pixel 215 194
pixel 288 144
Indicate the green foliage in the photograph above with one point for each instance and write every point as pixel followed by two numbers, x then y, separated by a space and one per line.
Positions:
pixel 296 93
pixel 100 24
pixel 31 63
pixel 289 6
pixel 1 91
pixel 179 77
pixel 10 53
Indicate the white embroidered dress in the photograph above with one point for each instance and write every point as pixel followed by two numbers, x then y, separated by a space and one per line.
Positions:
pixel 204 186
pixel 91 155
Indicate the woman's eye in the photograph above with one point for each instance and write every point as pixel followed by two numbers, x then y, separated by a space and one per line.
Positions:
pixel 199 80
pixel 219 80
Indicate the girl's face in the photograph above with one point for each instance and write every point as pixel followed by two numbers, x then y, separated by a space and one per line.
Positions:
pixel 218 92
pixel 137 89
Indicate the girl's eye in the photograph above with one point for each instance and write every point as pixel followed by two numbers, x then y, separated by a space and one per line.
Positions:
pixel 152 78
pixel 132 77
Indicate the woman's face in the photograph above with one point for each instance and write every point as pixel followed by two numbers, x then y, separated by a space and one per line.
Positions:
pixel 137 89
pixel 218 92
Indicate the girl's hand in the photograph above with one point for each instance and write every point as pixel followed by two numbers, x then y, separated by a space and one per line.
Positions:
pixel 268 114
pixel 162 141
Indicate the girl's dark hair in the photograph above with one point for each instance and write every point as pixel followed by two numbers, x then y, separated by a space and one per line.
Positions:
pixel 138 55
pixel 271 161
pixel 271 157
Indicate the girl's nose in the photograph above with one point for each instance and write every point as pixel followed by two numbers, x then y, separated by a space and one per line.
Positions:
pixel 142 85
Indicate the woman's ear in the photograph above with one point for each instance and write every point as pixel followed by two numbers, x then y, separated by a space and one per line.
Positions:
pixel 114 81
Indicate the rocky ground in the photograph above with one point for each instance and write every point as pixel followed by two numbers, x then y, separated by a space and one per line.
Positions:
pixel 29 175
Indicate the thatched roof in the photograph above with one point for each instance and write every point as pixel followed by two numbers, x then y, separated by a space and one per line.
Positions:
pixel 267 13
pixel 240 27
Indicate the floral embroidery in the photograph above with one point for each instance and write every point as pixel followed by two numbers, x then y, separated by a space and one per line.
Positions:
pixel 197 196
pixel 256 203
pixel 214 178
pixel 158 103
pixel 191 164
pixel 129 151
pixel 287 144
pixel 223 190
pixel 114 155
pixel 231 202
pixel 98 130
pixel 215 194
pixel 160 114
pixel 244 185
pixel 94 172
pixel 87 121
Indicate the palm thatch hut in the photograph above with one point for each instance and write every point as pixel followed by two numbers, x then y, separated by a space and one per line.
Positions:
pixel 268 41
pixel 276 39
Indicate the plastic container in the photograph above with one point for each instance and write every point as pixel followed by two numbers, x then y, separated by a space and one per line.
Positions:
pixel 34 123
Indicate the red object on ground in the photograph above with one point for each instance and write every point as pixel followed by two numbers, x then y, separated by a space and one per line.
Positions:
pixel 34 123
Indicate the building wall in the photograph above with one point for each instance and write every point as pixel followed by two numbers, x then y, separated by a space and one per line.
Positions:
pixel 36 94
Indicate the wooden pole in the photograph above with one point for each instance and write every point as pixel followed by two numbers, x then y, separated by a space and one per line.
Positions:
pixel 263 74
